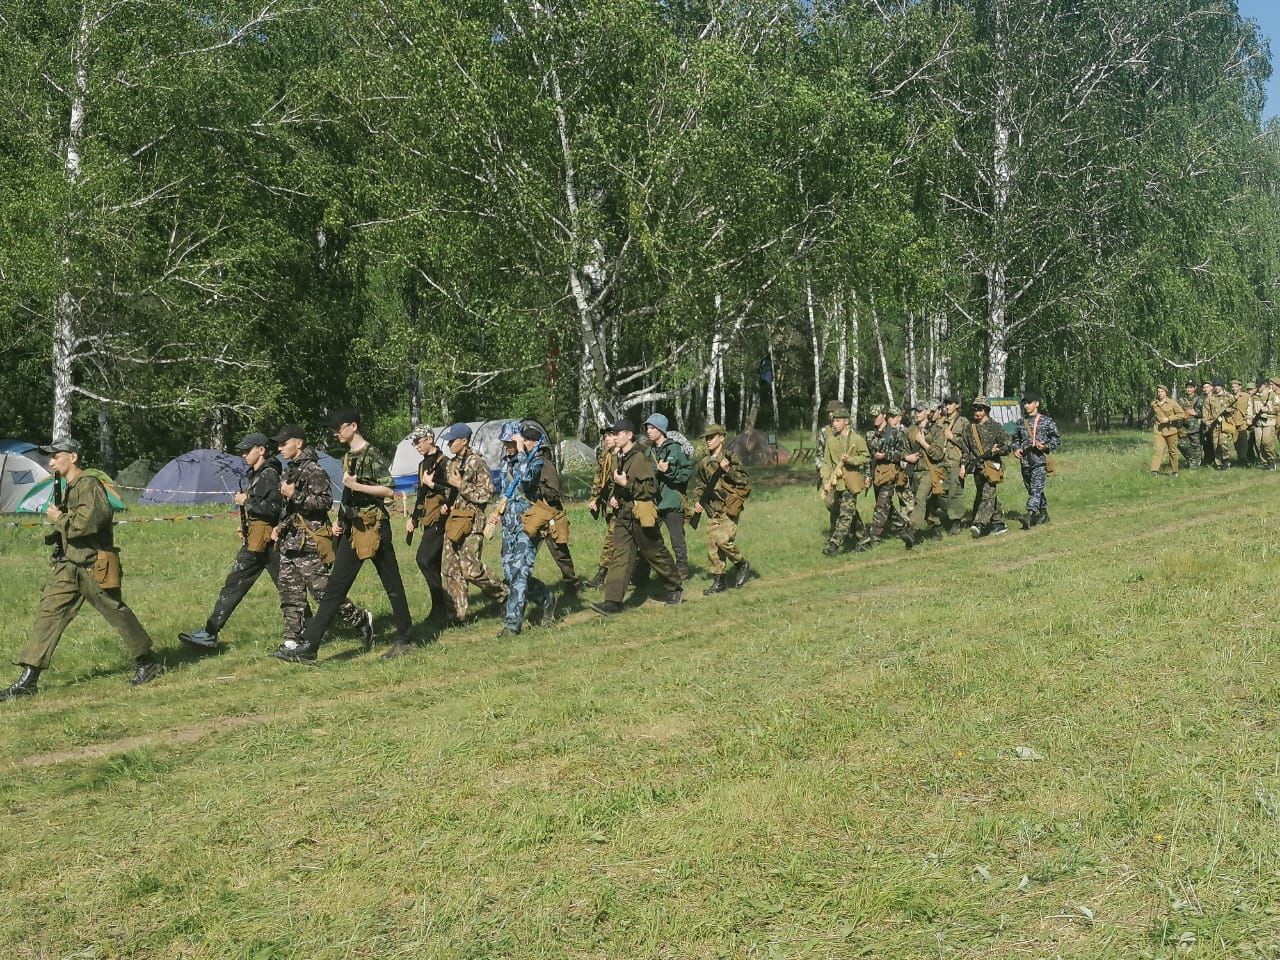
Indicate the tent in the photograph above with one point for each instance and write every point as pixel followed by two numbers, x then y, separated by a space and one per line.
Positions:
pixel 404 467
pixel 137 475
pixel 26 448
pixel 576 457
pixel 18 474
pixel 333 467
pixel 200 476
pixel 37 498
pixel 754 450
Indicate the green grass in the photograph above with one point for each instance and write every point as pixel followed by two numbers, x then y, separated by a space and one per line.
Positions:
pixel 825 764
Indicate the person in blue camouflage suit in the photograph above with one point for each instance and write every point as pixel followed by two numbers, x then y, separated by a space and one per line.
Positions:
pixel 1035 438
pixel 521 477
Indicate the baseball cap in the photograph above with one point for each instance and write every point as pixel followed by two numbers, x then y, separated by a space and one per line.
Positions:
pixel 251 440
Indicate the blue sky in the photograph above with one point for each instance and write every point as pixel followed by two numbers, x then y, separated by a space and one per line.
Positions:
pixel 1267 14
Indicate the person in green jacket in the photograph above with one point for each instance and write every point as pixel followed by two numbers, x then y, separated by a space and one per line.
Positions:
pixel 86 567
pixel 673 469
pixel 844 465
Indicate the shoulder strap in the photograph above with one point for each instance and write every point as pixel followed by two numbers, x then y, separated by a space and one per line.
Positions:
pixel 977 440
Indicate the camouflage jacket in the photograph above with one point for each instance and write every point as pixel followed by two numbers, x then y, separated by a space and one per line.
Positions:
pixel 264 499
pixel 820 450
pixel 1036 432
pixel 368 466
pixel 1191 407
pixel 469 475
pixel 85 525
pixel 642 483
pixel 955 446
pixel 734 480
pixel 845 452
pixel 311 500
pixel 990 443
pixel 892 442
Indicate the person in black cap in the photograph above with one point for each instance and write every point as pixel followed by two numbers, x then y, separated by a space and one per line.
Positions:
pixel 1034 439
pixel 305 539
pixel 259 505
pixel 363 532
pixel 86 567
pixel 635 532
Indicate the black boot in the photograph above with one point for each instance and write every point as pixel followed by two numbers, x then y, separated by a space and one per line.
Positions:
pixel 1044 516
pixel 598 580
pixel 909 539
pixel 742 573
pixel 717 585
pixel 24 686
pixel 297 652
pixel 146 671
pixel 607 607
pixel 830 550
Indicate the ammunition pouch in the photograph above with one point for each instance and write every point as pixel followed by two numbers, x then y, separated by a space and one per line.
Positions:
pixel 646 513
pixel 259 538
pixel 365 530
pixel 855 481
pixel 734 502
pixel 460 522
pixel 321 538
pixel 429 513
pixel 885 474
pixel 992 471
pixel 544 520
pixel 107 572
pixel 938 479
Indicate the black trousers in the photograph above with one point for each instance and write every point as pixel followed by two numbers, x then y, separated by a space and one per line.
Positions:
pixel 564 560
pixel 346 566
pixel 674 521
pixel 430 557
pixel 245 571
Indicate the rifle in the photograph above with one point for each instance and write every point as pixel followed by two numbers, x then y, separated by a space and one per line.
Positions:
pixel 54 539
pixel 708 496
pixel 606 492
pixel 244 515
pixel 441 488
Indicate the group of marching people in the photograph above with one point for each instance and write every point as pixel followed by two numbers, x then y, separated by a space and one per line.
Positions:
pixel 287 532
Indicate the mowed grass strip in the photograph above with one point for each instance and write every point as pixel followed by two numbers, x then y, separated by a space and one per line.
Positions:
pixel 1054 743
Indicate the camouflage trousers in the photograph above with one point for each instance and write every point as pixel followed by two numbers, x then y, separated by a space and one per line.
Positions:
pixel 848 523
pixel 887 513
pixel 462 567
pixel 906 503
pixel 66 590
pixel 302 573
pixel 953 494
pixel 1224 446
pixel 1265 439
pixel 924 501
pixel 986 508
pixel 1034 476
pixel 722 546
pixel 1191 448
pixel 518 555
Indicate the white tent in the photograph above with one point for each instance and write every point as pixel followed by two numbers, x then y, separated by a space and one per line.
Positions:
pixel 18 474
pixel 576 457
pixel 404 466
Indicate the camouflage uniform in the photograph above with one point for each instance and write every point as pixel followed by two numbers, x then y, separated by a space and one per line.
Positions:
pixel 1036 437
pixel 953 493
pixel 629 539
pixel 984 444
pixel 362 514
pixel 886 474
pixel 85 531
pixel 1190 442
pixel 469 474
pixel 304 522
pixel 722 509
pixel 521 479
pixel 844 460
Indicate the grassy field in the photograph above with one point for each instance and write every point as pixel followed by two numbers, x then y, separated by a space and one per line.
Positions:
pixel 1054 743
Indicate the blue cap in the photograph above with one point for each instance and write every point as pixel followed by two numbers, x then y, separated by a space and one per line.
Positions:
pixel 658 422
pixel 510 430
pixel 458 431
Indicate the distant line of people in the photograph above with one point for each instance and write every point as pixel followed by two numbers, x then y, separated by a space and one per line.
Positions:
pixel 1210 424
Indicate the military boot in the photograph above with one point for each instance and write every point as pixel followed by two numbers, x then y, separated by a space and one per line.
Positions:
pixel 147 670
pixel 830 550
pixel 742 573
pixel 607 607
pixel 24 686
pixel 909 539
pixel 1044 516
pixel 598 580
pixel 294 651
pixel 1028 520
pixel 718 585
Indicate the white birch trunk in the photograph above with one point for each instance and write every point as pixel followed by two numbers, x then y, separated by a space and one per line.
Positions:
pixel 884 361
pixel 855 364
pixel 817 360
pixel 66 308
pixel 742 402
pixel 842 348
pixel 714 368
pixel 941 376
pixel 997 294
pixel 724 409
pixel 773 384
pixel 913 371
